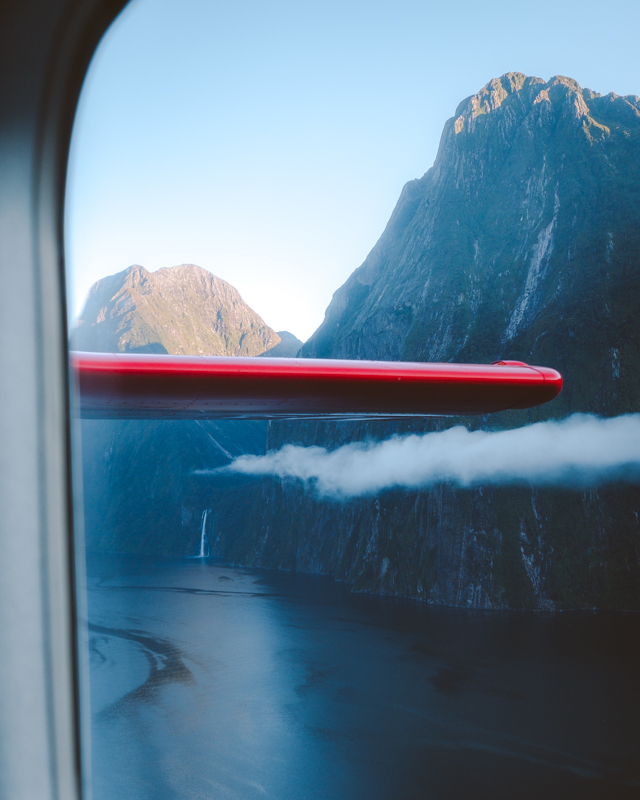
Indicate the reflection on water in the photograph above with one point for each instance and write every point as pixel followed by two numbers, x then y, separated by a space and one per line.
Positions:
pixel 209 681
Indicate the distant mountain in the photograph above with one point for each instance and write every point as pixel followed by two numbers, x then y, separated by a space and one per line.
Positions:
pixel 142 492
pixel 521 242
pixel 289 346
pixel 182 310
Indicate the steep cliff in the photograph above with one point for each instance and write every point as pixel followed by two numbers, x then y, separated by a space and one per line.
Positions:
pixel 522 241
pixel 181 310
pixel 142 489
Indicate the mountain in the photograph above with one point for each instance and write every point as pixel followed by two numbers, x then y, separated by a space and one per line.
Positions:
pixel 142 490
pixel 181 310
pixel 521 242
pixel 288 347
pixel 141 484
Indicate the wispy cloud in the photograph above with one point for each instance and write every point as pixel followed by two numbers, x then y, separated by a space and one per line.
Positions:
pixel 581 450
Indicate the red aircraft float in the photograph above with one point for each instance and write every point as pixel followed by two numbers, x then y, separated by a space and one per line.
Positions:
pixel 134 386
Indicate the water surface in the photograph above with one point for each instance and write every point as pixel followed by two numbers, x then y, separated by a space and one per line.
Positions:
pixel 209 681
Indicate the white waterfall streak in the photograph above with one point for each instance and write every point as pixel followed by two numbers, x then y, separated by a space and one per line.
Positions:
pixel 203 534
pixel 581 451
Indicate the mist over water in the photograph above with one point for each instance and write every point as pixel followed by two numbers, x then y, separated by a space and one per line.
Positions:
pixel 581 451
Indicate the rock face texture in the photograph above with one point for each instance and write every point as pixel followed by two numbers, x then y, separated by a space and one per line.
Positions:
pixel 521 242
pixel 522 239
pixel 181 310
pixel 142 489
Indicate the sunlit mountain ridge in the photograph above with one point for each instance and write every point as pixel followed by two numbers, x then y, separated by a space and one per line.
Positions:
pixel 183 310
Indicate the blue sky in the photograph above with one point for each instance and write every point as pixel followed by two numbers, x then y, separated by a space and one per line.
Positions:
pixel 268 141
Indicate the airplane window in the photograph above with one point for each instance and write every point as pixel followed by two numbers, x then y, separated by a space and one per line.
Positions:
pixel 400 580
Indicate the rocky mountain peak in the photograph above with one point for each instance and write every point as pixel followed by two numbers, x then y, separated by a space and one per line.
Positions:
pixel 533 200
pixel 494 93
pixel 515 98
pixel 183 310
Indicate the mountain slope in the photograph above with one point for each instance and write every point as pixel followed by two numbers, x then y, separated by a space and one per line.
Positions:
pixel 523 242
pixel 288 347
pixel 520 240
pixel 142 491
pixel 182 310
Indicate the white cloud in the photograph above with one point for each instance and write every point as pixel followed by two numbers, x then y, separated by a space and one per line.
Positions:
pixel 581 450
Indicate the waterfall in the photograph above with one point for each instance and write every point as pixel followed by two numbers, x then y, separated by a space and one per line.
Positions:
pixel 203 534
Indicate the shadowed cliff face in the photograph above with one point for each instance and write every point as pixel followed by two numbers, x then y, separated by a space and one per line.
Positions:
pixel 141 490
pixel 523 242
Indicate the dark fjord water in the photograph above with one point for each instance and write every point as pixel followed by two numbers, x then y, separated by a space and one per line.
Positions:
pixel 214 682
